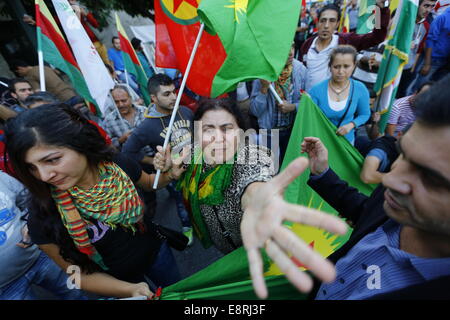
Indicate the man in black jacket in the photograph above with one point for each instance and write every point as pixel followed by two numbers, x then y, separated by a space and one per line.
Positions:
pixel 400 245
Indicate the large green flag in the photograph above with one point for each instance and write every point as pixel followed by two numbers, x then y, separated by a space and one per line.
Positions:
pixel 395 57
pixel 229 279
pixel 256 34
pixel 344 159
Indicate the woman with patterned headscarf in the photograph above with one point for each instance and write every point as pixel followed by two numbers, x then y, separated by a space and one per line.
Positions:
pixel 85 210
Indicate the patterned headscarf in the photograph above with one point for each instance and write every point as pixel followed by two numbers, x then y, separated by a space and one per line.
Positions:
pixel 113 201
pixel 284 81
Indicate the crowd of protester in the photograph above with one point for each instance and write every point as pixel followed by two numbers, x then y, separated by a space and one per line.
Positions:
pixel 75 189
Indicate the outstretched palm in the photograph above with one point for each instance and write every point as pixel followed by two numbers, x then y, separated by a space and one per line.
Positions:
pixel 262 226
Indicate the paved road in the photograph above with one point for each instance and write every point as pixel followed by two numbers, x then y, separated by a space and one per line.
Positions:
pixel 194 258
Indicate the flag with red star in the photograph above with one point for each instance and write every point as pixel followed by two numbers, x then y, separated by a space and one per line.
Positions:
pixel 239 44
pixel 177 26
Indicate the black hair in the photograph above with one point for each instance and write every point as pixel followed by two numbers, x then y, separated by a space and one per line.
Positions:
pixel 157 80
pixel 53 125
pixel 136 43
pixel 432 107
pixel 14 64
pixel 13 82
pixel 421 1
pixel 42 96
pixel 227 104
pixel 343 49
pixel 330 7
pixel 114 38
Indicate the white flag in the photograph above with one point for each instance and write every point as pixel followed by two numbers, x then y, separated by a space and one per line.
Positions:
pixel 94 71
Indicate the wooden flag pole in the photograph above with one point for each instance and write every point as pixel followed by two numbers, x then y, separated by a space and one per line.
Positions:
pixel 180 93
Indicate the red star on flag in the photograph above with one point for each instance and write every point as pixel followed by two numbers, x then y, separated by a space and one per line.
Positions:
pixel 177 4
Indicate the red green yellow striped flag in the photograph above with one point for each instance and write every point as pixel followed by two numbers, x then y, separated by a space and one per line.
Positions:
pixel 56 52
pixel 131 61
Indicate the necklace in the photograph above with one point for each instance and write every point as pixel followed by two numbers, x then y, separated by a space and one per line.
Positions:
pixel 338 93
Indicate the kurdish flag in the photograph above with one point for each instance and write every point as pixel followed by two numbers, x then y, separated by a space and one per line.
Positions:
pixel 131 61
pixel 56 51
pixel 177 26
pixel 228 277
pixel 367 14
pixel 344 159
pixel 241 43
pixel 256 36
pixel 395 56
pixel 96 75
pixel 366 17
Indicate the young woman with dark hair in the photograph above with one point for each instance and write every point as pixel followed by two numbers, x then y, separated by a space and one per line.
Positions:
pixel 343 100
pixel 233 199
pixel 85 210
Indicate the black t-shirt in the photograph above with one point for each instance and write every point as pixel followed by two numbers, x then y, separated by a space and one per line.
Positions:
pixel 387 144
pixel 128 256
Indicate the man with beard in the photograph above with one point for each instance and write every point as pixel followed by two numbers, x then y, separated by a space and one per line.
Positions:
pixel 400 245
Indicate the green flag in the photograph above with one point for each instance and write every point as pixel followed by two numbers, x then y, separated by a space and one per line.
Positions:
pixel 344 159
pixel 366 17
pixel 395 57
pixel 131 61
pixel 256 34
pixel 228 277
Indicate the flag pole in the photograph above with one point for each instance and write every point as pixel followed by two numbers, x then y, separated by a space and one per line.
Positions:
pixel 180 93
pixel 275 94
pixel 40 54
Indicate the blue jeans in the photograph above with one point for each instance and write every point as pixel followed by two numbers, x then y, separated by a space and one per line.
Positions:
pixel 181 210
pixel 436 65
pixel 46 274
pixel 164 271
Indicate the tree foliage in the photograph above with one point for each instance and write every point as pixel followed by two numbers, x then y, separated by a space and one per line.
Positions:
pixel 102 8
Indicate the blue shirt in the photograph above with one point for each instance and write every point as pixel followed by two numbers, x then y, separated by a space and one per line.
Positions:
pixel 380 155
pixel 378 255
pixel 116 57
pixel 359 110
pixel 438 37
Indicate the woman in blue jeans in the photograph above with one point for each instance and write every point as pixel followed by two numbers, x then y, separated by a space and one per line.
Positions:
pixel 85 211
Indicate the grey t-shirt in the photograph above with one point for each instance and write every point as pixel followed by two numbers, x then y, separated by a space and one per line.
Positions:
pixel 14 261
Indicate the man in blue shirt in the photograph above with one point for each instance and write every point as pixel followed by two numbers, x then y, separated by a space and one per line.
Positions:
pixel 400 244
pixel 115 56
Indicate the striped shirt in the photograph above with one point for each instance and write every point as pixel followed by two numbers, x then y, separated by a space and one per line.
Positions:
pixel 116 126
pixel 376 265
pixel 401 114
